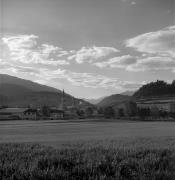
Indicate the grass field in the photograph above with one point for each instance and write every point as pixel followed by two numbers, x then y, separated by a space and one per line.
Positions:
pixel 52 150
pixel 56 132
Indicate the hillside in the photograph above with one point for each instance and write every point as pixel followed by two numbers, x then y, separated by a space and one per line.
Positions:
pixel 7 79
pixel 114 100
pixel 22 93
pixel 158 88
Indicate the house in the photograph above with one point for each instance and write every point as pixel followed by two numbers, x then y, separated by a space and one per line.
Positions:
pixel 30 114
pixel 56 114
pixel 12 113
pixel 166 103
pixel 18 114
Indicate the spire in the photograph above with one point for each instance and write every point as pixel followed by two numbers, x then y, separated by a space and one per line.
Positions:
pixel 62 101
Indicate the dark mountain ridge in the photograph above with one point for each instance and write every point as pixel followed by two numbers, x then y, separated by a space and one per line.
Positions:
pixel 17 92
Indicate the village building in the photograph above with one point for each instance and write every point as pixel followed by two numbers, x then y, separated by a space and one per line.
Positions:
pixel 69 111
pixel 166 104
pixel 12 113
pixel 56 114
pixel 18 114
pixel 30 114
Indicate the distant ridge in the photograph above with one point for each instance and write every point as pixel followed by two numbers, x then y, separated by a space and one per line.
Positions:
pixel 22 93
pixel 128 93
pixel 114 100
pixel 94 101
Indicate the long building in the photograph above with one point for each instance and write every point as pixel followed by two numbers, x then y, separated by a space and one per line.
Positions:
pixel 164 103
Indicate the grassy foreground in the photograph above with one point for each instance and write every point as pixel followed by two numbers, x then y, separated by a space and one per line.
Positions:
pixel 86 161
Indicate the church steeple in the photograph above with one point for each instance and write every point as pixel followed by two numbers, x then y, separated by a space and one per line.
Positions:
pixel 73 102
pixel 63 101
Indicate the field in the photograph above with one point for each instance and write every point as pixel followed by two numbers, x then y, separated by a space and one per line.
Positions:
pixel 56 132
pixel 87 150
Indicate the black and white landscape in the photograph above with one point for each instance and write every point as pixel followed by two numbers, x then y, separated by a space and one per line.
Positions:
pixel 87 89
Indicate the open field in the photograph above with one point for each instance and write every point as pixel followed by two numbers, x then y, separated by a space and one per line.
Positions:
pixel 87 150
pixel 56 132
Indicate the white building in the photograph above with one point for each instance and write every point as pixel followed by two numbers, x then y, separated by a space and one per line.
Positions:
pixel 161 103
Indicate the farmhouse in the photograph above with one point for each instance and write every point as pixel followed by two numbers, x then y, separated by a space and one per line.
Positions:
pixel 12 113
pixel 161 103
pixel 18 114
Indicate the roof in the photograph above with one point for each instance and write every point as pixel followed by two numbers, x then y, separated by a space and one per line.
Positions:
pixel 13 110
pixel 56 111
pixel 156 100
pixel 31 111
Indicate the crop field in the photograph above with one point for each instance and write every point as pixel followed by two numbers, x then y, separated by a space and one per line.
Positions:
pixel 87 150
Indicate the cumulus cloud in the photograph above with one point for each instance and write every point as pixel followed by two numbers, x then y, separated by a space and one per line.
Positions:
pixel 160 42
pixel 90 54
pixel 25 49
pixel 117 62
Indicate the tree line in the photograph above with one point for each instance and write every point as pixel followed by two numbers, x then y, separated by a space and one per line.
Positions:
pixel 156 89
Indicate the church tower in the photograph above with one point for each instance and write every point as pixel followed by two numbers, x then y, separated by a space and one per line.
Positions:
pixel 63 101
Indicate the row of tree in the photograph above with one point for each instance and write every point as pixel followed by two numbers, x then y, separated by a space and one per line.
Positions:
pixel 155 112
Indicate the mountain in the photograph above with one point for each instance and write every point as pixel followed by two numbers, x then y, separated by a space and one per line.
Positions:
pixel 22 93
pixel 158 88
pixel 7 79
pixel 128 93
pixel 94 101
pixel 114 100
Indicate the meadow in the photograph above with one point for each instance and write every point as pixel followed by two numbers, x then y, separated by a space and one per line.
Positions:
pixel 87 150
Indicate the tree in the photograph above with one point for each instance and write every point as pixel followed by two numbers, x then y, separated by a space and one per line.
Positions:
pixel 132 108
pixel 144 112
pixel 109 112
pixel 163 114
pixel 46 111
pixel 156 89
pixel 89 111
pixel 121 112
pixel 100 110
pixel 80 113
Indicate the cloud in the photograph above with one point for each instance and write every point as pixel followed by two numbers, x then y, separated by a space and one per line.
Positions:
pixel 90 80
pixel 153 63
pixel 90 54
pixel 26 49
pixel 117 62
pixel 157 53
pixel 4 65
pixel 160 42
pixel 133 3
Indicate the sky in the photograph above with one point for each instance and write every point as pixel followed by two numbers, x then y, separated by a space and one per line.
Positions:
pixel 89 48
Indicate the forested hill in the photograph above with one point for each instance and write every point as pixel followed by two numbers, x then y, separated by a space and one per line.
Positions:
pixel 158 88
